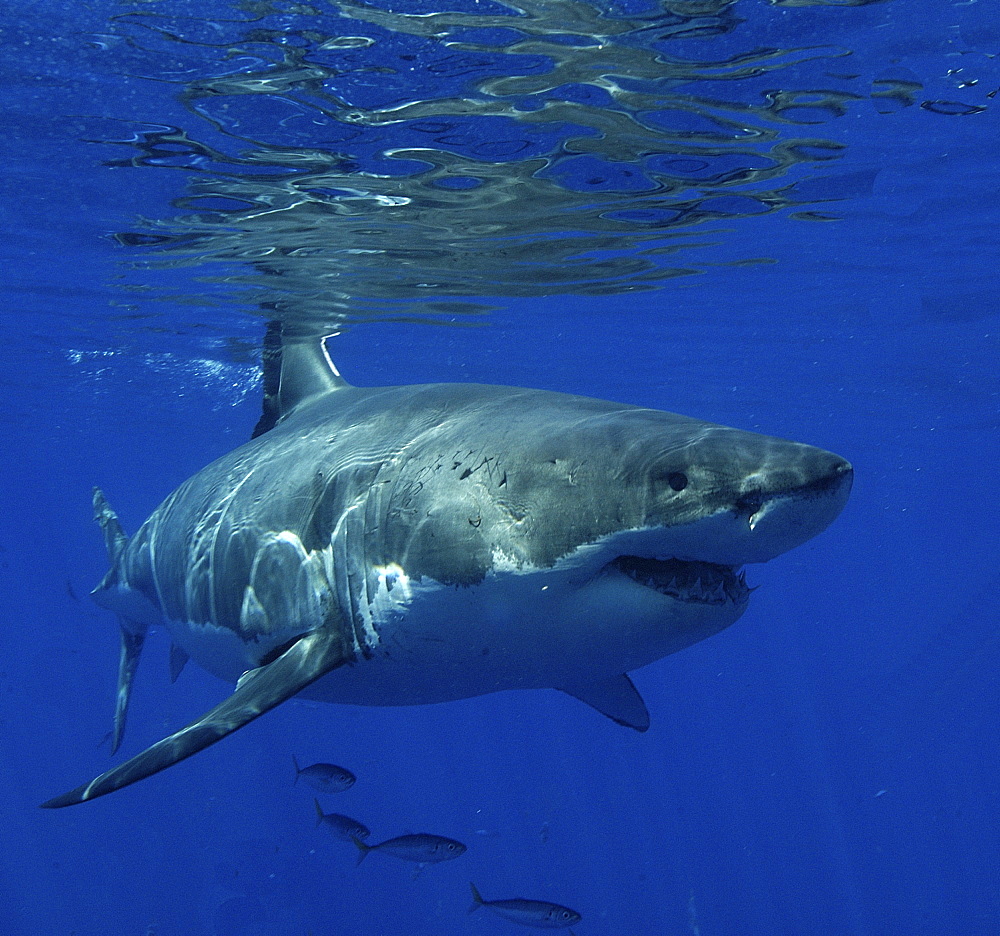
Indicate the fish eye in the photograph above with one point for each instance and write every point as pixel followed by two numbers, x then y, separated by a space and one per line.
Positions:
pixel 677 480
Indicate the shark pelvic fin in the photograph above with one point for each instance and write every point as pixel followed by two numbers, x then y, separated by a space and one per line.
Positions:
pixel 617 698
pixel 309 658
pixel 178 660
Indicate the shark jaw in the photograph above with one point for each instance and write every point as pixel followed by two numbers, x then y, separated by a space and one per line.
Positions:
pixel 684 581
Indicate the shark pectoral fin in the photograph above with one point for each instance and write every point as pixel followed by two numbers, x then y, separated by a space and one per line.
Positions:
pixel 305 661
pixel 615 697
pixel 128 659
pixel 178 658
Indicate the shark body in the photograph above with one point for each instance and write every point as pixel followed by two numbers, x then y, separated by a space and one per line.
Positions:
pixel 417 544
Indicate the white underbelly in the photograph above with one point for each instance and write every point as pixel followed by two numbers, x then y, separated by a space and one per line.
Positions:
pixel 424 642
pixel 456 642
pixel 516 632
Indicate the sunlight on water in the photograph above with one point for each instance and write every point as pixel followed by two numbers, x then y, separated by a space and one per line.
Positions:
pixel 344 162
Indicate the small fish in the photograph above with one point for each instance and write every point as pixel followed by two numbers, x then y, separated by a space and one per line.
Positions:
pixel 342 827
pixel 420 847
pixel 538 913
pixel 327 778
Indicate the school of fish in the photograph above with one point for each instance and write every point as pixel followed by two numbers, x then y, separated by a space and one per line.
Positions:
pixel 422 848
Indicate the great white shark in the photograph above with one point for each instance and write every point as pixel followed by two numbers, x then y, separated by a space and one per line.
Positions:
pixel 417 544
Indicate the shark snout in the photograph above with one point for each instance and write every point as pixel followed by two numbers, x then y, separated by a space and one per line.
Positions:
pixel 782 519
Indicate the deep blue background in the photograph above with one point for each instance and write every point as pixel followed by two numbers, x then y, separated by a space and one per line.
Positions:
pixel 828 766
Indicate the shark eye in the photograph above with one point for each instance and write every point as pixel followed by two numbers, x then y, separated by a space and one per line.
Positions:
pixel 677 480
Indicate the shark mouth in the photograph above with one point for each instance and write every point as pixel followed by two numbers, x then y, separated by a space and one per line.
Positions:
pixel 688 581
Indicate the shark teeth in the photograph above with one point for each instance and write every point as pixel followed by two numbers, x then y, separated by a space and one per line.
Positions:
pixel 688 581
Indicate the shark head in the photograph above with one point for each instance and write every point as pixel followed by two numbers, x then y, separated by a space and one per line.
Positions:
pixel 681 507
pixel 539 476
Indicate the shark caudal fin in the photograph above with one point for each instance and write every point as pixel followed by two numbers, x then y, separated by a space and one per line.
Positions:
pixel 309 658
pixel 133 632
pixel 130 649
pixel 114 536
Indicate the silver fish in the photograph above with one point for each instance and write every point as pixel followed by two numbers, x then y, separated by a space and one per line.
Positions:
pixel 342 827
pixel 539 913
pixel 327 778
pixel 421 847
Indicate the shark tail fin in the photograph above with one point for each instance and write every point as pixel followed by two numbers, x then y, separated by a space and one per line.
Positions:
pixel 305 661
pixel 133 633
pixel 114 536
pixel 130 649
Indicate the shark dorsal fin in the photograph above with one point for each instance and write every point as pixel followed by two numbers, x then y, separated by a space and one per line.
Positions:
pixel 306 373
pixel 297 370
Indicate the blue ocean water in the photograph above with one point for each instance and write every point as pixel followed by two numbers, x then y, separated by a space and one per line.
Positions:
pixel 779 216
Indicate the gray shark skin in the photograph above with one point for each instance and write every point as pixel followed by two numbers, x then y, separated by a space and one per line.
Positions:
pixel 408 545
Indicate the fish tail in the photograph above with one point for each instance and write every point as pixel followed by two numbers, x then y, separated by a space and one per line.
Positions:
pixel 363 849
pixel 477 898
pixel 319 809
